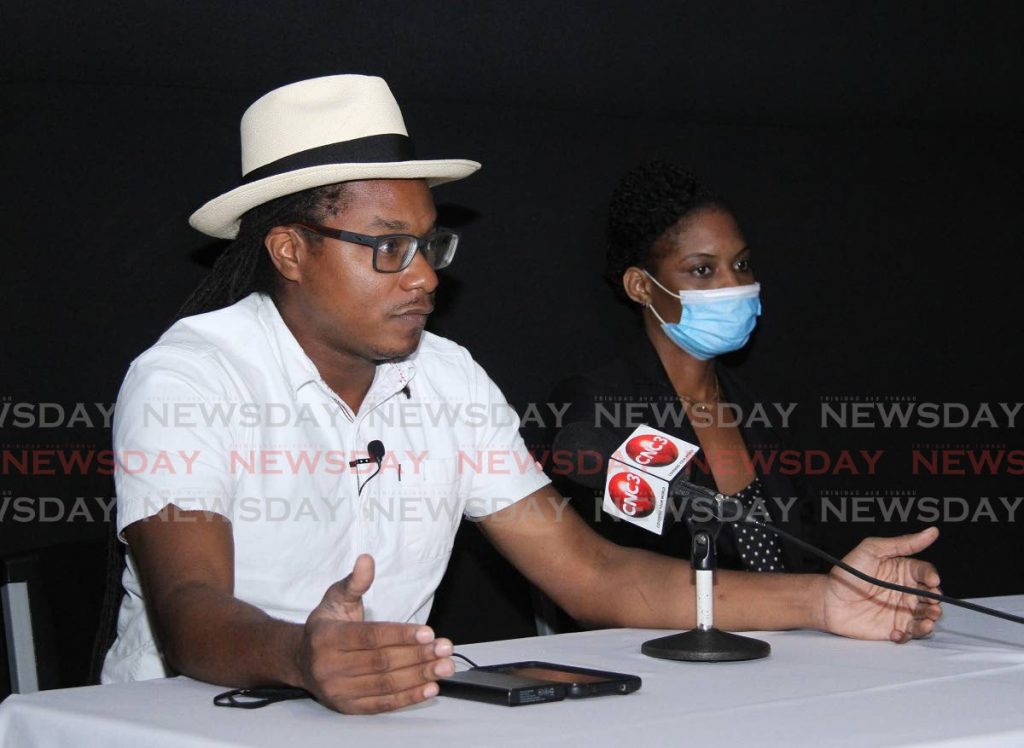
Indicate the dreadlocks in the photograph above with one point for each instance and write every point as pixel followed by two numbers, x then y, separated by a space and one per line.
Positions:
pixel 245 266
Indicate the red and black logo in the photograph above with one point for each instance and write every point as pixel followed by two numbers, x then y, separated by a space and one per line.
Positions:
pixel 631 494
pixel 651 450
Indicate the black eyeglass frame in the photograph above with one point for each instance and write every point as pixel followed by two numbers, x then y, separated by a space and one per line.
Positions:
pixel 374 242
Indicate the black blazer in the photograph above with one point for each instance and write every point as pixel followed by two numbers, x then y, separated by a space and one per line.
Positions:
pixel 638 380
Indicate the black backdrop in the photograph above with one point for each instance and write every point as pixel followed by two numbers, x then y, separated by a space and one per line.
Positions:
pixel 873 152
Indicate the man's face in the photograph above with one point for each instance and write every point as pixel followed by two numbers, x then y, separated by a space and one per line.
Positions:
pixel 346 306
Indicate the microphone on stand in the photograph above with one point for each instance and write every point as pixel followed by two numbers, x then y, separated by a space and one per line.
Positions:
pixel 705 511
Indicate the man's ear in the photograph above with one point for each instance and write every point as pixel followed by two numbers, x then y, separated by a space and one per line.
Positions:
pixel 637 285
pixel 287 248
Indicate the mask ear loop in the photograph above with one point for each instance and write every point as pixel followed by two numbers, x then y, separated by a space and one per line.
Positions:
pixel 650 306
pixel 654 311
pixel 658 284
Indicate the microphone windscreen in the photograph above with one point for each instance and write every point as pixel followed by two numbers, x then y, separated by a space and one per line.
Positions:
pixel 376 450
pixel 579 439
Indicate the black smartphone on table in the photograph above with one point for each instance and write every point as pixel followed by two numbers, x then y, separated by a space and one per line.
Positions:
pixel 579 682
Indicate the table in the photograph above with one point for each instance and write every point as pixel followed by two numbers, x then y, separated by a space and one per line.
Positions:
pixel 962 687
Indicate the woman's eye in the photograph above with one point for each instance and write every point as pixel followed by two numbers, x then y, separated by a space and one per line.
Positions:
pixel 702 271
pixel 743 266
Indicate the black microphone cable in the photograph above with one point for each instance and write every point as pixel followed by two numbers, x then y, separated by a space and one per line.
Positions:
pixel 872 580
pixel 466 660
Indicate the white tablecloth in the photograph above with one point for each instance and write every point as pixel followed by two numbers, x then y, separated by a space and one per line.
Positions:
pixel 962 687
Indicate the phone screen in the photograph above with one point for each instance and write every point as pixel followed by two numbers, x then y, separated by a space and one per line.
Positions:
pixel 559 676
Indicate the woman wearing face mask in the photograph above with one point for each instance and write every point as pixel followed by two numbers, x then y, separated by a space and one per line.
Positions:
pixel 676 253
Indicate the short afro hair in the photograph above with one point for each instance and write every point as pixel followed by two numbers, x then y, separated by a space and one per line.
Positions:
pixel 648 201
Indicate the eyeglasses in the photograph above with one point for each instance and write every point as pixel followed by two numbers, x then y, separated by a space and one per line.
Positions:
pixel 393 253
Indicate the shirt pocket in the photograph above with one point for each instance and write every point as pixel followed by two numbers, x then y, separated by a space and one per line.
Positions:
pixel 428 510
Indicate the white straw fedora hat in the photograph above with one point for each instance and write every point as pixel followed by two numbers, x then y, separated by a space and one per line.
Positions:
pixel 307 134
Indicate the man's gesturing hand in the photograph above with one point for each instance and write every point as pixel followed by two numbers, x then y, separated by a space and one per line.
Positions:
pixel 362 668
pixel 858 609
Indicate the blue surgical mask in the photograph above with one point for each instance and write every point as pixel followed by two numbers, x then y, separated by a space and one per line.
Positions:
pixel 713 321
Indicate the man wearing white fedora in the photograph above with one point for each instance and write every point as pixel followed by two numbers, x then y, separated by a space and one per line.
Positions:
pixel 240 523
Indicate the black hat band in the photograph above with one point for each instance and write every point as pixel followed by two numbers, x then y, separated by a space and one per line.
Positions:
pixel 369 150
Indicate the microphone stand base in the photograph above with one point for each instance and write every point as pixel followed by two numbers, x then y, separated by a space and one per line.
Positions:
pixel 706 645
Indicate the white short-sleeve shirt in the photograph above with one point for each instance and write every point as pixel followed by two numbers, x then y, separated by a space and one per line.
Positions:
pixel 226 413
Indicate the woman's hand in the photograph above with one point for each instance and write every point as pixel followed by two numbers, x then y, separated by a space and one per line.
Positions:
pixel 862 610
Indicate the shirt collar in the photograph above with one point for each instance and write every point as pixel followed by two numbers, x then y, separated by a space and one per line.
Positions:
pixel 299 370
pixel 297 367
pixel 646 365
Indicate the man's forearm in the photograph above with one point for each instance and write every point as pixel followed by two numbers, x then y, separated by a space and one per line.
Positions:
pixel 212 636
pixel 640 589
